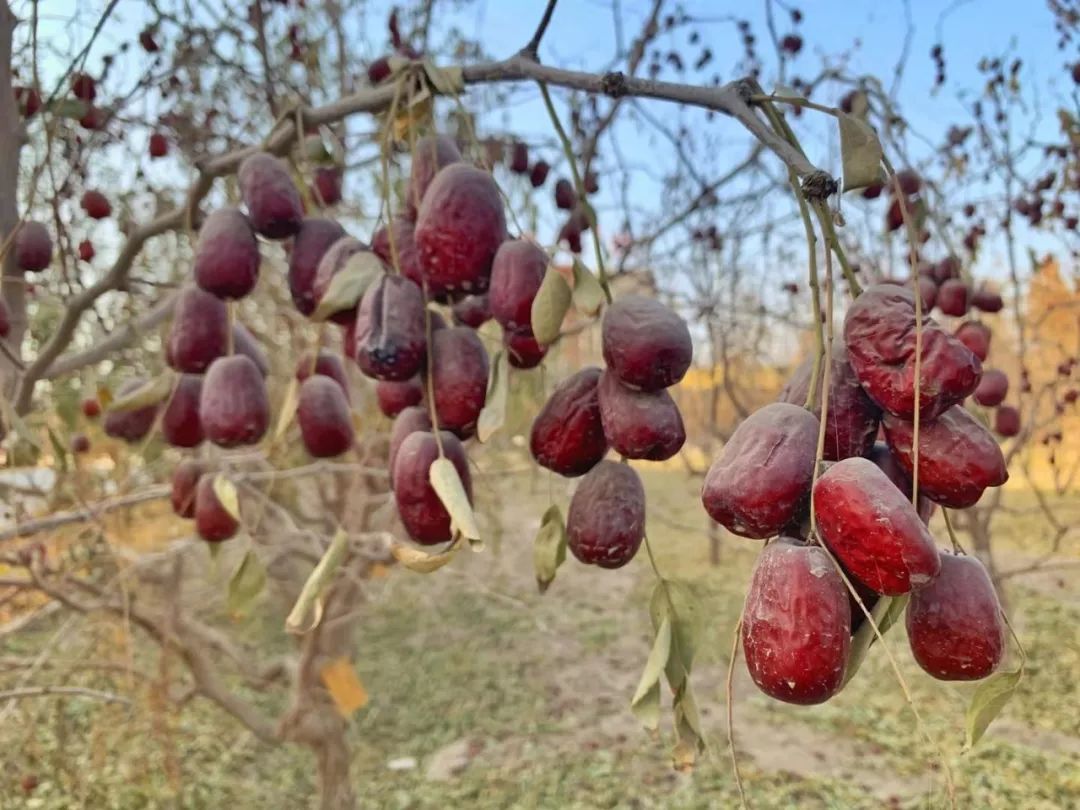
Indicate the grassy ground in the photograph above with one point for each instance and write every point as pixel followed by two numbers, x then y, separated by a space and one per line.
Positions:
pixel 538 689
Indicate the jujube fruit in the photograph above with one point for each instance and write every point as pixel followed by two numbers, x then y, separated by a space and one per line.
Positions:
pixel 472 311
pixel 993 388
pixel 870 526
pixel 391 337
pixel 880 333
pixel 953 297
pixel 227 255
pixel 954 624
pixel 308 247
pixel 130 425
pixel 853 417
pixel 976 336
pixel 402 232
pixel 459 227
pixel 796 624
pixel 200 331
pixel 394 396
pixel 185 478
pixel 432 153
pixel 516 274
pixel 326 363
pixel 1006 421
pixel 407 422
pixel 640 424
pixel 334 260
pixel 33 247
pixel 234 407
pixel 180 424
pixel 958 458
pixel 523 350
pixel 645 343
pixel 95 204
pixel 245 343
pixel 762 476
pixel 567 436
pixel 324 417
pixel 212 521
pixel 419 506
pixel 459 372
pixel 270 195
pixel 606 521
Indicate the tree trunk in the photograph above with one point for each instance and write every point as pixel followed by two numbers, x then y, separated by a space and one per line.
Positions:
pixel 13 291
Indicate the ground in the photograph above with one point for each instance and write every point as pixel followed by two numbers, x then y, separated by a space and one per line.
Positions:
pixel 487 695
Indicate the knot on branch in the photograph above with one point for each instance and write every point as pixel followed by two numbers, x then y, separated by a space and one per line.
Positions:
pixel 745 89
pixel 819 185
pixel 613 84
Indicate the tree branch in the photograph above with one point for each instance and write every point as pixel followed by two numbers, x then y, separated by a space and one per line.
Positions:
pixel 48 691
pixel 731 99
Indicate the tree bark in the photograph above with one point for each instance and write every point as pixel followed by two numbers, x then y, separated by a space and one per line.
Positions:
pixel 13 291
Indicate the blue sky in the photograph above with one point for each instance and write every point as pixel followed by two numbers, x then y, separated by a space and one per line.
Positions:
pixel 582 35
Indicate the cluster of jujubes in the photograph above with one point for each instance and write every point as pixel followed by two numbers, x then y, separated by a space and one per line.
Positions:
pixel 800 616
pixel 626 408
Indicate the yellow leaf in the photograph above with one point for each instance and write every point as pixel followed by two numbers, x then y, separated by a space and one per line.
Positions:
pixel 288 408
pixel 860 153
pixel 493 414
pixel 588 295
pixel 420 561
pixel 307 612
pixel 341 681
pixel 225 491
pixel 153 392
pixel 447 485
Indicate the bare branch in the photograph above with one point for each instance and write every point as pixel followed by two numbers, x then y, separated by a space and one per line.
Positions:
pixel 51 691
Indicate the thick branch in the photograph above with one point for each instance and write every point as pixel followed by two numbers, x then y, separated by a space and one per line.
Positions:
pixel 730 99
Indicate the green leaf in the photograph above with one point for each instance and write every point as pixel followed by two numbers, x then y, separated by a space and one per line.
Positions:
pixel 493 415
pixel 287 411
pixel 225 492
pixel 151 393
pixel 588 295
pixel 348 285
pixel 549 547
pixel 677 601
pixel 646 701
pixel 988 701
pixel 885 614
pixel 860 152
pixel 315 150
pixel 307 612
pixel 549 307
pixel 447 485
pixel 246 583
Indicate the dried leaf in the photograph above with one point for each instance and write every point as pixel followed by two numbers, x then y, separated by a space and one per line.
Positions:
pixel 493 415
pixel 860 152
pixel 420 561
pixel 341 681
pixel 988 701
pixel 588 295
pixel 549 307
pixel 549 547
pixel 646 701
pixel 447 485
pixel 288 407
pixel 225 491
pixel 689 737
pixel 153 392
pixel 348 285
pixel 448 81
pixel 307 612
pixel 246 583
